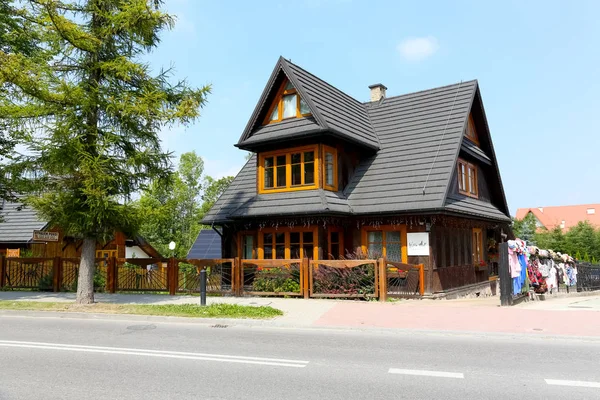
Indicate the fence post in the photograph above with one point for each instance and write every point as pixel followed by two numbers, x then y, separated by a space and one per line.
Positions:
pixel 305 284
pixel 506 290
pixel 240 277
pixel 111 275
pixel 382 279
pixel 235 285
pixel 422 279
pixel 173 276
pixel 3 272
pixel 56 274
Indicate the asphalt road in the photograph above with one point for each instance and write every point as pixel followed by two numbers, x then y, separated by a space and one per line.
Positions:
pixel 58 358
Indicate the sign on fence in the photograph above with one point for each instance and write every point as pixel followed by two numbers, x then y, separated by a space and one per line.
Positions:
pixel 43 236
pixel 418 243
pixel 14 253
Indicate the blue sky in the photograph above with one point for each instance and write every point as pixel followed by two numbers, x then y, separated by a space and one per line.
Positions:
pixel 537 62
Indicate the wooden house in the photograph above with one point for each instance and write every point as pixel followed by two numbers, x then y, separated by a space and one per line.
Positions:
pixel 412 178
pixel 19 223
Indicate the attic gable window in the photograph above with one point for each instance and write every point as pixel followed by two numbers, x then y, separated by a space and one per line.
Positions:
pixel 287 104
pixel 467 179
pixel 470 131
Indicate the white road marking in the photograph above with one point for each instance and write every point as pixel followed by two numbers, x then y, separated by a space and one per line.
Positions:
pixel 558 382
pixel 157 353
pixel 419 372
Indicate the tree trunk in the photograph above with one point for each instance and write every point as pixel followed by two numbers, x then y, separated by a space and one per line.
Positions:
pixel 87 267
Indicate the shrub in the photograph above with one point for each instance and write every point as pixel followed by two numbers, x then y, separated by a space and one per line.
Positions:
pixel 356 280
pixel 47 282
pixel 277 280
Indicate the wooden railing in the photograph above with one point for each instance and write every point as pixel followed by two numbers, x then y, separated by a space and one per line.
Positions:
pixel 344 278
pixel 231 276
pixel 273 277
pixel 403 280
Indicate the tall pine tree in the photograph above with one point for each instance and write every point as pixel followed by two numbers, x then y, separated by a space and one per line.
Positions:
pixel 90 111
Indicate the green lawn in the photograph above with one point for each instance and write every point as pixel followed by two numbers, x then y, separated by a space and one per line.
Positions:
pixel 173 310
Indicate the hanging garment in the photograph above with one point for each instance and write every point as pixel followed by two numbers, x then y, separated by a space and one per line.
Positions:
pixel 513 264
pixel 516 286
pixel 523 262
pixel 571 276
pixel 551 279
pixel 564 278
pixel 544 269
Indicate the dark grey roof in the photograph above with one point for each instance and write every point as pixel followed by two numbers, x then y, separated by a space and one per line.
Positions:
pixel 420 136
pixel 291 128
pixel 317 201
pixel 334 112
pixel 466 205
pixel 474 151
pixel 18 223
pixel 342 113
pixel 207 245
pixel 242 200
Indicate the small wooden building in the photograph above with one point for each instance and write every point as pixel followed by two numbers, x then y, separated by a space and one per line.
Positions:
pixel 412 178
pixel 20 222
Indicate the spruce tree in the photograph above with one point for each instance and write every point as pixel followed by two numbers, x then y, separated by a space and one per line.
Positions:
pixel 90 110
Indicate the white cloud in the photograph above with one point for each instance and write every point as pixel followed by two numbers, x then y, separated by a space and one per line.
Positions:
pixel 417 49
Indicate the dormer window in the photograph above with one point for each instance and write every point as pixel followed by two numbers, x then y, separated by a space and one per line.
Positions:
pixel 470 131
pixel 298 168
pixel 287 104
pixel 467 179
pixel 288 170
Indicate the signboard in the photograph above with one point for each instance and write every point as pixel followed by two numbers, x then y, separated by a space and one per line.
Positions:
pixel 42 236
pixel 14 253
pixel 418 243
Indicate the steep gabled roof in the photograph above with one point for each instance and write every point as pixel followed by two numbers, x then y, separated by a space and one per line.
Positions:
pixel 552 217
pixel 18 223
pixel 419 139
pixel 333 112
pixel 420 134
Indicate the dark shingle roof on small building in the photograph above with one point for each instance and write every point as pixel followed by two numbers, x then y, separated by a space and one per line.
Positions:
pixel 18 223
pixel 207 245
pixel 418 136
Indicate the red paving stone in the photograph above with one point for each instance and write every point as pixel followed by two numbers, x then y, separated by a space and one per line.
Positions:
pixel 462 318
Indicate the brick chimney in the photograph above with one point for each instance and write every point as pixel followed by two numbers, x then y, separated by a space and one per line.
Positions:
pixel 377 91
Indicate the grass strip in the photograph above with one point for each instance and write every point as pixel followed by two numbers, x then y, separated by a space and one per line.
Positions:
pixel 217 310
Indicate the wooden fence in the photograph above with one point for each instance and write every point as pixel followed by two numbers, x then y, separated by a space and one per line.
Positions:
pixel 294 278
pixel 404 280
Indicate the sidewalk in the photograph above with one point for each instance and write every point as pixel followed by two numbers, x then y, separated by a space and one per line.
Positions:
pixel 578 316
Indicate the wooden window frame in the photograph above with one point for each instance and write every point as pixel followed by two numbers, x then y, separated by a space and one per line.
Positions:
pixel 261 249
pixel 468 190
pixel 341 247
pixel 240 244
pixel 288 156
pixel 477 253
pixel 279 102
pixel 384 229
pixel 333 151
pixel 111 253
pixel 470 131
